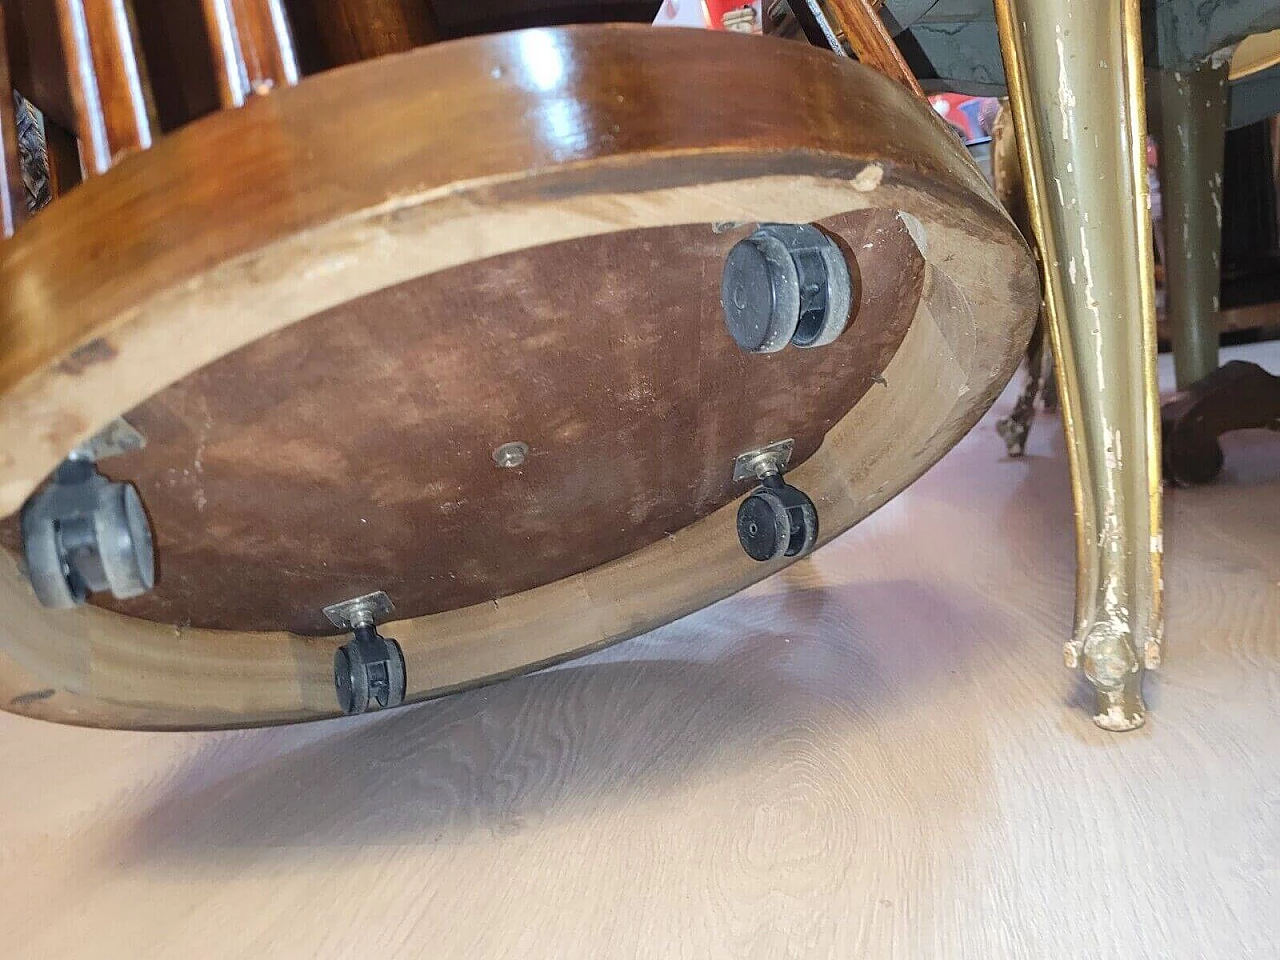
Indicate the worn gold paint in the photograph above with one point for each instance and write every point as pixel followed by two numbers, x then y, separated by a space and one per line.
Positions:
pixel 1071 77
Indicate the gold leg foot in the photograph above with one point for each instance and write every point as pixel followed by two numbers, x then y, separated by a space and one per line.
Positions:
pixel 1115 669
pixel 1122 709
pixel 1075 86
pixel 1111 664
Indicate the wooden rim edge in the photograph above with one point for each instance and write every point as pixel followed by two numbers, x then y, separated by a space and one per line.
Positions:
pixel 108 670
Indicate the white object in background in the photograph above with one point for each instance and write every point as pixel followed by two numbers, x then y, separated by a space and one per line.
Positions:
pixel 681 13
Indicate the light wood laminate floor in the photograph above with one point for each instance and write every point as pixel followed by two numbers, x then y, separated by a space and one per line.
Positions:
pixel 876 754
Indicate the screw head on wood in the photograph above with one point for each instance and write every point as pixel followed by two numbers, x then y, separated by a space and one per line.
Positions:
pixel 511 454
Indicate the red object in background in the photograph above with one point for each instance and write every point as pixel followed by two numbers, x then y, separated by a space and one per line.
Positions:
pixel 971 116
pixel 738 16
pixel 732 15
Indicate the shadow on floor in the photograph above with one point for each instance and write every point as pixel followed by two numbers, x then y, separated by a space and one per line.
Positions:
pixel 590 738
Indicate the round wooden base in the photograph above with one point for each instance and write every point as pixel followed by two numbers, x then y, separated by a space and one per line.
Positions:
pixel 327 309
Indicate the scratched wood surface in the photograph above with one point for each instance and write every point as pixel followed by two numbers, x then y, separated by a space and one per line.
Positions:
pixel 643 151
pixel 875 754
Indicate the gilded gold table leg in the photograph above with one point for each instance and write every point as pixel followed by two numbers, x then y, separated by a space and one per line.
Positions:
pixel 1075 83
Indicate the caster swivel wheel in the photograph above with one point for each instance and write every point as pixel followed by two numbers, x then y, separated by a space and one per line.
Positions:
pixel 776 521
pixel 368 672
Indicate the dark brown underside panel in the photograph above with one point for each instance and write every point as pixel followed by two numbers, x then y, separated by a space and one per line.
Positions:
pixel 351 452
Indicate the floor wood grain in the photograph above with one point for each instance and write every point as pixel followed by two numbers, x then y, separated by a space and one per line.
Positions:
pixel 875 754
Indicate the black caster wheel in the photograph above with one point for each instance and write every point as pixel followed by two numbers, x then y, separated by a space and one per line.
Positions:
pixel 786 283
pixel 776 521
pixel 368 673
pixel 83 534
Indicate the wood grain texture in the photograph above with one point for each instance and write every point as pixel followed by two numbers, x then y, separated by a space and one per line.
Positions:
pixel 635 116
pixel 65 171
pixel 637 150
pixel 352 452
pixel 107 79
pixel 868 38
pixel 35 48
pixel 252 47
pixel 815 768
pixel 349 31
pixel 177 46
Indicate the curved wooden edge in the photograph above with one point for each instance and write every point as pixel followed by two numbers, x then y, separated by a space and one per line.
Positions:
pixel 241 181
pixel 1254 54
pixel 243 300
pixel 96 668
